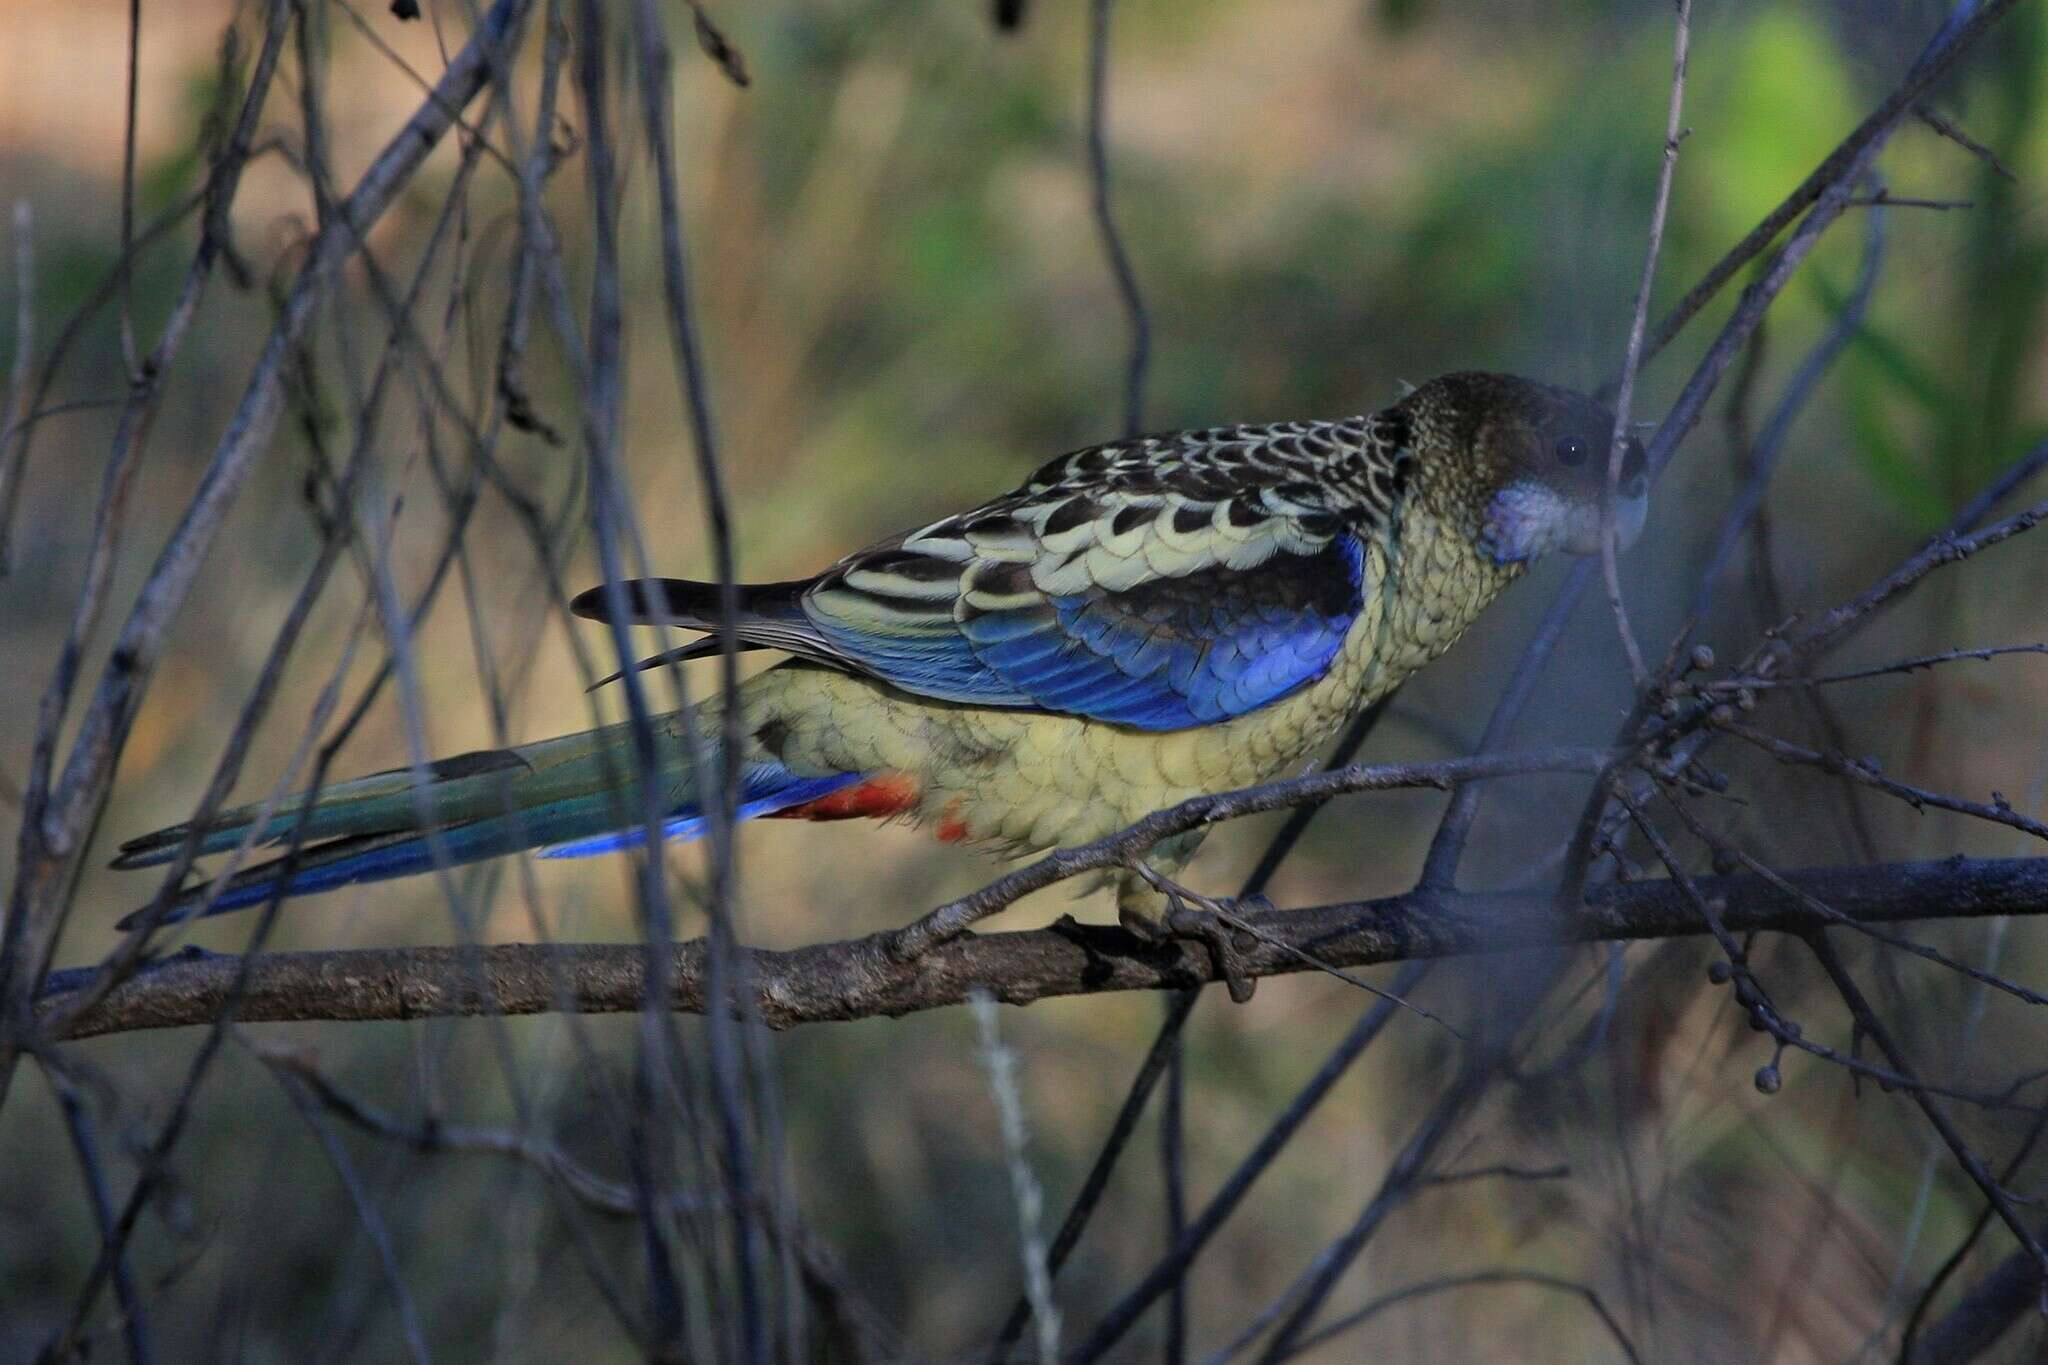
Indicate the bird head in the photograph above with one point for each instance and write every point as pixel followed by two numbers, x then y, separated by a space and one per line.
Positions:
pixel 1522 466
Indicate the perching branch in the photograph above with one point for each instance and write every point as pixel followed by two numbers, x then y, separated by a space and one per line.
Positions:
pixel 1127 846
pixel 860 979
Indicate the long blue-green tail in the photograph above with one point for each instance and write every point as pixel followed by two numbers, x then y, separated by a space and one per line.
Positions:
pixel 569 797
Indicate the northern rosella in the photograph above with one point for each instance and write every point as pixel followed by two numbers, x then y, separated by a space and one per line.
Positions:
pixel 1139 623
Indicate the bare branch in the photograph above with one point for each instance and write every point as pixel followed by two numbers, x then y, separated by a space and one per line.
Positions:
pixel 1173 1267
pixel 1998 811
pixel 1000 1065
pixel 1995 492
pixel 1937 61
pixel 14 412
pixel 85 1149
pixel 1475 1280
pixel 57 813
pixel 1166 1047
pixel 366 1213
pixel 1945 127
pixel 1986 1313
pixel 1913 664
pixel 53 830
pixel 860 978
pixel 1632 363
pixel 1873 1028
pixel 1105 218
pixel 1828 629
pixel 1799 390
pixel 1126 847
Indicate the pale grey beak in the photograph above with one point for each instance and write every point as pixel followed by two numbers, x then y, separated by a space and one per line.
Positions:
pixel 1582 535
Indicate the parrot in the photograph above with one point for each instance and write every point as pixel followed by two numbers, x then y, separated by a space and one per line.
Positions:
pixel 1140 622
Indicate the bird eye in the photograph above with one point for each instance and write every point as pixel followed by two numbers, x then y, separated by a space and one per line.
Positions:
pixel 1571 451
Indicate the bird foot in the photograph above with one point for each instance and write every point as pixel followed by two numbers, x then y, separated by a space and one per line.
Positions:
pixel 1217 925
pixel 1225 942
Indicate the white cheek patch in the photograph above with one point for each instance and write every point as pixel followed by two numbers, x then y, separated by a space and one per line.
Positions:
pixel 1523 520
pixel 1527 519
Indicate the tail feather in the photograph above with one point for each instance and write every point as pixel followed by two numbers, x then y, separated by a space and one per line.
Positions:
pixel 359 858
pixel 693 605
pixel 689 823
pixel 364 805
pixel 574 796
pixel 770 616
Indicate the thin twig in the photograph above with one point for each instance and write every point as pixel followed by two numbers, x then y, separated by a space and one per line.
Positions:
pixel 397 60
pixel 14 413
pixel 1139 319
pixel 131 355
pixel 1174 1192
pixel 1886 199
pixel 1995 492
pixel 1304 1299
pixel 694 386
pixel 114 706
pixel 59 810
pixel 1830 628
pixel 1946 127
pixel 433 1136
pixel 1504 1171
pixel 1001 1065
pixel 1997 811
pixel 1407 1293
pixel 601 384
pixel 85 1148
pixel 1172 1268
pixel 1447 846
pixel 1624 398
pixel 103 293
pixel 1984 1314
pixel 1840 165
pixel 1750 994
pixel 366 1213
pixel 609 1197
pixel 1895 668
pixel 1871 1027
pixel 1903 944
pixel 1128 846
pixel 1799 392
pixel 1164 1047
pixel 1966 1315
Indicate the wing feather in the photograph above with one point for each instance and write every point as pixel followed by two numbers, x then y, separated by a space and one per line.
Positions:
pixel 1159 583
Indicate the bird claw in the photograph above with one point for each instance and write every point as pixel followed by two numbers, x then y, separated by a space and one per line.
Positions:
pixel 1226 945
pixel 1208 922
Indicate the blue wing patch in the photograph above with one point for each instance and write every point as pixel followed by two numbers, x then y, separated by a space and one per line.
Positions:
pixel 1174 652
pixel 936 661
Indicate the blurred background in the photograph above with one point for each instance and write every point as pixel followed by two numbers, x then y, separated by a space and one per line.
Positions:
pixel 906 307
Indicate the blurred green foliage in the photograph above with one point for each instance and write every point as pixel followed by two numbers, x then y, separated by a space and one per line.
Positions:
pixel 1943 390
